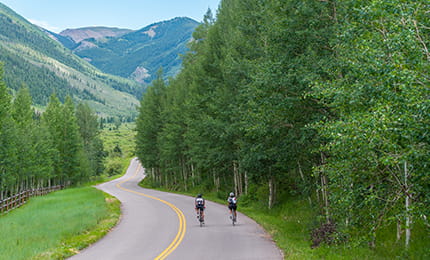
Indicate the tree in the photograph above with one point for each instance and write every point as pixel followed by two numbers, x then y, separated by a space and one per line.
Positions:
pixel 89 130
pixel 72 166
pixel 379 141
pixel 8 151
pixel 149 124
pixel 22 113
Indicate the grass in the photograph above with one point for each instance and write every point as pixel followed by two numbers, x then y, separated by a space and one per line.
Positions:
pixel 61 224
pixel 57 225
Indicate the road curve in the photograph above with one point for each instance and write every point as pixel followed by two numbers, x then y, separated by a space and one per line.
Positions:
pixel 160 225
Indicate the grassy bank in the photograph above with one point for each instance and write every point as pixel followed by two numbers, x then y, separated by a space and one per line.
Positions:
pixel 57 225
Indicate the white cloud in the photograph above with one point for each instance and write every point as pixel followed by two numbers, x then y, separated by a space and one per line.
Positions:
pixel 45 25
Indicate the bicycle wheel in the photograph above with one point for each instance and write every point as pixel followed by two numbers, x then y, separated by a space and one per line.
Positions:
pixel 201 217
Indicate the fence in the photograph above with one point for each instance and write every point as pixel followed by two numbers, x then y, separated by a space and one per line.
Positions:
pixel 21 198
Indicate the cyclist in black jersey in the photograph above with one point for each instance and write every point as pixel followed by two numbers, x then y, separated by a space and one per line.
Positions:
pixel 200 205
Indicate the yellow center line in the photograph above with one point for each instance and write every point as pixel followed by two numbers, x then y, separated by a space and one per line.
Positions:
pixel 182 222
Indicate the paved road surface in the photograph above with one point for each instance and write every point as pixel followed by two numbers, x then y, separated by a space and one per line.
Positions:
pixel 160 225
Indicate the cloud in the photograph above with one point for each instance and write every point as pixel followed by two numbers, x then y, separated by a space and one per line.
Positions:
pixel 45 25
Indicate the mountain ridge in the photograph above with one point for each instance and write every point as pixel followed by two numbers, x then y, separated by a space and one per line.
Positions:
pixel 96 32
pixel 137 54
pixel 33 58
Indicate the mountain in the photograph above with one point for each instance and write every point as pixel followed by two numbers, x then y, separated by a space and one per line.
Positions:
pixel 98 33
pixel 136 55
pixel 35 58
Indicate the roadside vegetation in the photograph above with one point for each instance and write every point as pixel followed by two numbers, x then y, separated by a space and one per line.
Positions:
pixel 57 225
pixel 291 223
pixel 288 102
pixel 62 223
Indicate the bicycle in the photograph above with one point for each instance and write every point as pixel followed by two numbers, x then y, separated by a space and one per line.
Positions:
pixel 200 217
pixel 232 217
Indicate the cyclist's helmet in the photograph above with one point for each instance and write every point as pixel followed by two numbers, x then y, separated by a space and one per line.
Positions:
pixel 231 194
pixel 199 195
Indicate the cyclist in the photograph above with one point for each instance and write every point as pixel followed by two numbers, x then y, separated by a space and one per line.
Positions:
pixel 200 205
pixel 232 204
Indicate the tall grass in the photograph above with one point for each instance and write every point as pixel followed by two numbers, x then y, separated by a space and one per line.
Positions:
pixel 51 227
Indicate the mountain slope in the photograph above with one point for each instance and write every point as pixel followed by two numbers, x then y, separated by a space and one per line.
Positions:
pixel 139 54
pixel 33 58
pixel 98 33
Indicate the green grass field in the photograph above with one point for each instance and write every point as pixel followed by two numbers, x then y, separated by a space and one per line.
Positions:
pixel 57 225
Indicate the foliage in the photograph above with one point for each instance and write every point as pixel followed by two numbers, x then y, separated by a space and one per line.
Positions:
pixel 379 142
pixel 327 100
pixel 51 149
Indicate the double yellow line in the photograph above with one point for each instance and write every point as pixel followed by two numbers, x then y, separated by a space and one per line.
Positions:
pixel 182 222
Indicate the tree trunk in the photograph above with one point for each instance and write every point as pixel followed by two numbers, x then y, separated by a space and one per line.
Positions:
pixel 192 175
pixel 246 182
pixel 184 172
pixel 325 197
pixel 324 192
pixel 304 181
pixel 407 206
pixel 399 230
pixel 272 191
pixel 216 180
pixel 237 179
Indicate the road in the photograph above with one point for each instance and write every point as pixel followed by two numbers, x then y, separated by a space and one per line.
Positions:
pixel 160 225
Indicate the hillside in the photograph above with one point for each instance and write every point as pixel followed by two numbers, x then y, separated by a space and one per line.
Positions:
pixel 98 33
pixel 138 54
pixel 32 57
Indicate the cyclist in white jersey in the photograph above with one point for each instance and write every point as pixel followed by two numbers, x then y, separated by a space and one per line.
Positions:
pixel 232 204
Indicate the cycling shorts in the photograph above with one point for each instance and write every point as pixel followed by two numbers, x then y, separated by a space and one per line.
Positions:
pixel 232 206
pixel 202 207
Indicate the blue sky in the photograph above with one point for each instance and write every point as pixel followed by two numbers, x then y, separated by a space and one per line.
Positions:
pixel 57 15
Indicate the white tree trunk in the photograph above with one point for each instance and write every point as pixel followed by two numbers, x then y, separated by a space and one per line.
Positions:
pixel 192 175
pixel 407 205
pixel 246 182
pixel 272 191
pixel 399 230
pixel 235 178
pixel 304 181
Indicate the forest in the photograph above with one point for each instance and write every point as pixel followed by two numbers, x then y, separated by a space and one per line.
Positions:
pixel 59 147
pixel 323 100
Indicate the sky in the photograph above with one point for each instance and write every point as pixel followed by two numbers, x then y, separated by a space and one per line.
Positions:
pixel 58 15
